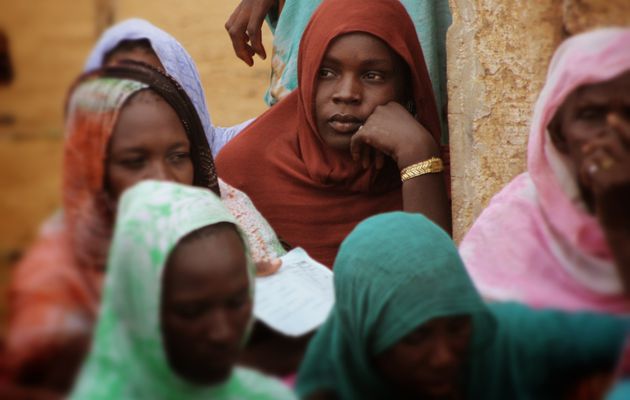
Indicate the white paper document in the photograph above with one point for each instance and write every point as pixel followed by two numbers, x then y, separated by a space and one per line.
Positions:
pixel 298 297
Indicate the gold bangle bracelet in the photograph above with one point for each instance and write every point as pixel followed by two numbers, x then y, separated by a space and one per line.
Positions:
pixel 431 166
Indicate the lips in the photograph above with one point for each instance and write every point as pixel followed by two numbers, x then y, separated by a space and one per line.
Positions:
pixel 215 362
pixel 345 123
pixel 439 383
pixel 216 355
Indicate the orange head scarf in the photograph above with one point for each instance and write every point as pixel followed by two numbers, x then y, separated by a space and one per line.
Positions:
pixel 55 289
pixel 312 194
pixel 93 110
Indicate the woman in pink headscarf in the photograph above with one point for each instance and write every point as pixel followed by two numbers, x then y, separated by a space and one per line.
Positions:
pixel 559 234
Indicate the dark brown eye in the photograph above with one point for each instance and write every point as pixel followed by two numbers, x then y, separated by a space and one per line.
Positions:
pixel 237 302
pixel 417 336
pixel 325 73
pixel 188 311
pixel 458 327
pixel 374 76
pixel 179 157
pixel 134 163
pixel 592 113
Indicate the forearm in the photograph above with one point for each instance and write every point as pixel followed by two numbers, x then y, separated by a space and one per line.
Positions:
pixel 426 194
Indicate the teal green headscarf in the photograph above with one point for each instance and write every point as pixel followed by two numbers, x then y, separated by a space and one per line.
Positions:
pixel 127 358
pixel 397 271
pixel 394 272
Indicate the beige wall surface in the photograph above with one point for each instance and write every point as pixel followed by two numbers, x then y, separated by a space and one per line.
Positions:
pixel 49 42
pixel 498 51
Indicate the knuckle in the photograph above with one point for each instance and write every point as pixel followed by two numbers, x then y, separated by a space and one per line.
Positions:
pixel 232 31
pixel 252 32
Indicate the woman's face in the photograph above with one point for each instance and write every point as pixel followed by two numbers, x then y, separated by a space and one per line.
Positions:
pixel 148 142
pixel 206 305
pixel 585 119
pixel 428 362
pixel 358 73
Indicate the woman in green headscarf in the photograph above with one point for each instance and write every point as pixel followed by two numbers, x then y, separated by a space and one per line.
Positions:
pixel 408 323
pixel 177 303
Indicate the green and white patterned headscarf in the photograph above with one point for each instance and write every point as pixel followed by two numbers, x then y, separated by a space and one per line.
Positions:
pixel 127 358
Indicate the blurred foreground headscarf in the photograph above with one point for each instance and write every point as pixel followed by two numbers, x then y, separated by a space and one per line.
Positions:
pixel 394 272
pixel 127 359
pixel 55 290
pixel 398 271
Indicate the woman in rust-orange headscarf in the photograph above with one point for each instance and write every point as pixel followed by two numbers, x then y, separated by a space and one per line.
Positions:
pixel 55 291
pixel 312 193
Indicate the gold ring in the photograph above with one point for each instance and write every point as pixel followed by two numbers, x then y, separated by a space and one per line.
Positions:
pixel 607 163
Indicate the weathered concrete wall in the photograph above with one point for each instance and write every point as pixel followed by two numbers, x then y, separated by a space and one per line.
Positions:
pixel 48 41
pixel 498 51
pixel 234 91
pixel 582 15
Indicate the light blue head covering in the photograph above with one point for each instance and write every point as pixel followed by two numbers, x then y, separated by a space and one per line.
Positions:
pixel 177 62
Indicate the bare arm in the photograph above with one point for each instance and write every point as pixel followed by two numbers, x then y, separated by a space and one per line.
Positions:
pixel 393 131
pixel 245 28
pixel 426 193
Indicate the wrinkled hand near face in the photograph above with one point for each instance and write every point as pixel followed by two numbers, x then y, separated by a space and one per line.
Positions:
pixel 593 129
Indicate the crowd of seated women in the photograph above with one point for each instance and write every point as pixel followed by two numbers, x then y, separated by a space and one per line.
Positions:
pixel 142 286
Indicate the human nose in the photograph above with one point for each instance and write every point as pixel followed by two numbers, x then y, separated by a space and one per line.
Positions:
pixel 347 90
pixel 161 172
pixel 218 327
pixel 442 355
